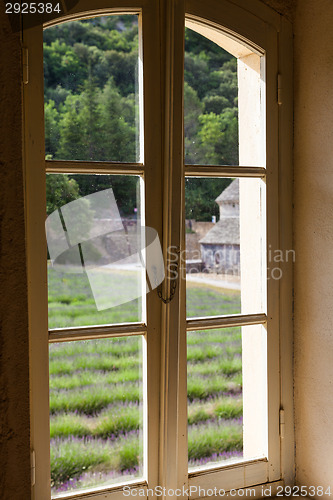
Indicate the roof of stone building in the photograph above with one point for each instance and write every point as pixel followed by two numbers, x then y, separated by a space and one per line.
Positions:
pixel 225 232
pixel 230 194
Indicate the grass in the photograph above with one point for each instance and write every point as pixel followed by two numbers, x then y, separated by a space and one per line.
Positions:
pixel 71 302
pixel 92 400
pixel 219 408
pixel 122 418
pixel 225 366
pixel 91 377
pixel 96 401
pixel 73 456
pixel 214 336
pixel 119 347
pixel 98 362
pixel 203 388
pixel 207 439
pixel 202 301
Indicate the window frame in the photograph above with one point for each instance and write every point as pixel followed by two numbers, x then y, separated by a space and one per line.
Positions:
pixel 247 472
pixel 166 390
pixel 35 182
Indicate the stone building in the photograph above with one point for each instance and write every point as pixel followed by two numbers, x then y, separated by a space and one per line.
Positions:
pixel 220 247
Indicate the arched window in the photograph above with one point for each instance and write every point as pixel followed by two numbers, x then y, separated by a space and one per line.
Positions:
pixel 153 375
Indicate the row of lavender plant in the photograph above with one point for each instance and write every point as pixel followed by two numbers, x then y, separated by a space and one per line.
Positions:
pixel 96 391
pixel 96 407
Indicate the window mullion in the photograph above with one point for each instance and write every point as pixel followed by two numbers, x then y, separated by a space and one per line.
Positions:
pixel 152 137
pixel 173 454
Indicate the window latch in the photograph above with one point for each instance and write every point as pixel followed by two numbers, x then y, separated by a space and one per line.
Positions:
pixel 173 284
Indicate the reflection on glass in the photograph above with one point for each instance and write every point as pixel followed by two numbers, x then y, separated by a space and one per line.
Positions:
pixel 224 254
pixel 91 90
pixel 96 413
pixel 214 391
pixel 210 103
pixel 95 242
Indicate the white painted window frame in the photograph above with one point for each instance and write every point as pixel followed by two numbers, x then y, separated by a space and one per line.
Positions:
pixel 165 330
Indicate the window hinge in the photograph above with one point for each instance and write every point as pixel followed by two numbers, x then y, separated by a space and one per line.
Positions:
pixel 282 423
pixel 25 65
pixel 33 467
pixel 279 89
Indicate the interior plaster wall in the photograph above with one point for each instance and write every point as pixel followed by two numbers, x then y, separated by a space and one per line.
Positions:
pixel 313 236
pixel 284 7
pixel 14 373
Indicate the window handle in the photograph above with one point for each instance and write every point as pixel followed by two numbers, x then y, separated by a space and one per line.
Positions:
pixel 174 280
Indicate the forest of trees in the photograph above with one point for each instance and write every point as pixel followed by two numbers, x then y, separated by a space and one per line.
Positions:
pixel 91 109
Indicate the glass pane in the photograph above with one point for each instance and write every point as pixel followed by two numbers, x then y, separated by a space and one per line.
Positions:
pixel 223 100
pixel 96 413
pixel 91 89
pixel 210 103
pixel 94 236
pixel 224 246
pixel 222 425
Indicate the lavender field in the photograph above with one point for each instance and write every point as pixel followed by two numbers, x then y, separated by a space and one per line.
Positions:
pixel 96 402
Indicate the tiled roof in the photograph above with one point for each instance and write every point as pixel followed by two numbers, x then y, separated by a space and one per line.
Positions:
pixel 230 194
pixel 225 232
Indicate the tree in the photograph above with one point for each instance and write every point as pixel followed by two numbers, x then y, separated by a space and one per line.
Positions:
pixel 122 67
pixel 197 74
pixel 81 125
pixel 71 141
pixel 228 150
pixel 200 195
pixel 215 104
pixel 90 119
pixel 61 64
pixel 60 189
pixel 92 107
pixel 193 108
pixel 125 189
pixel 52 133
pixel 198 44
pixel 117 135
pixel 219 137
